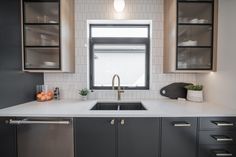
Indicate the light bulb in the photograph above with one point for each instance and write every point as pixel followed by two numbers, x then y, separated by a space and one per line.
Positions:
pixel 119 5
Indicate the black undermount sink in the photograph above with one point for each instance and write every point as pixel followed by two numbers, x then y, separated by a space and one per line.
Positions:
pixel 118 106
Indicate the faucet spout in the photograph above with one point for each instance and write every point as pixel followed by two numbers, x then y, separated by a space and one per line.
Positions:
pixel 119 91
pixel 113 81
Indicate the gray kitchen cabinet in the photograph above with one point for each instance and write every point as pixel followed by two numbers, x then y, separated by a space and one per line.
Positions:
pixel 217 137
pixel 117 137
pixel 95 137
pixel 138 137
pixel 179 137
pixel 8 144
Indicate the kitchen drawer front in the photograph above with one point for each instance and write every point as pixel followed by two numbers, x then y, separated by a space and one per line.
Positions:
pixel 180 122
pixel 218 123
pixel 216 151
pixel 217 137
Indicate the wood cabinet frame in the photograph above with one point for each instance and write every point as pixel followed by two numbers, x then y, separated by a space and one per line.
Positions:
pixel 66 38
pixel 171 37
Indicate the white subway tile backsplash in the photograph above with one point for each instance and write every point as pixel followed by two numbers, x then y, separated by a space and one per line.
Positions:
pixel 70 84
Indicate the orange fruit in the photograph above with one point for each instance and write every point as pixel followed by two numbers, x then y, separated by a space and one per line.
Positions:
pixel 48 97
pixel 50 93
pixel 43 98
pixel 39 96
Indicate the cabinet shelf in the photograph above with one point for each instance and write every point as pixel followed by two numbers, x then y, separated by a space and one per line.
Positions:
pixel 195 24
pixel 42 46
pixel 194 46
pixel 47 24
pixel 195 1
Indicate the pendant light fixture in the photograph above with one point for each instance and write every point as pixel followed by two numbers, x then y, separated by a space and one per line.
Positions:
pixel 119 5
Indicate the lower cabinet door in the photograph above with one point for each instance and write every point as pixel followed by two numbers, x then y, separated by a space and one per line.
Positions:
pixel 7 139
pixel 138 137
pixel 95 137
pixel 217 151
pixel 179 137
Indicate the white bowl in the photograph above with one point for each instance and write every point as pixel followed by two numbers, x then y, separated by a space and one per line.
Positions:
pixel 49 63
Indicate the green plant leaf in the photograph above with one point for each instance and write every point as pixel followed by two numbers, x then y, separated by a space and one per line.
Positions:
pixel 194 87
pixel 84 92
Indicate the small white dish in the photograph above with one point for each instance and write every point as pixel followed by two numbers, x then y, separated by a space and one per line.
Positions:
pixel 202 21
pixel 49 63
pixel 188 43
pixel 194 21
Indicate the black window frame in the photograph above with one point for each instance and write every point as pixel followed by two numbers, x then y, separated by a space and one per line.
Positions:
pixel 119 40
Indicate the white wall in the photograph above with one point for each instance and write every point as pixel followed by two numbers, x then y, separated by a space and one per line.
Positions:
pixel 103 9
pixel 220 87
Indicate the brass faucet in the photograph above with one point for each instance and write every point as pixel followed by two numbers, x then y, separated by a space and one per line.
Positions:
pixel 119 91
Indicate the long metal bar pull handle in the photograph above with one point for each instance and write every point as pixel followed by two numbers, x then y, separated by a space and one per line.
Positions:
pixel 223 154
pixel 222 124
pixel 181 124
pixel 221 138
pixel 25 121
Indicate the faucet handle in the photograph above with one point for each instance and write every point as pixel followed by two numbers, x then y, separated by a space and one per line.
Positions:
pixel 121 91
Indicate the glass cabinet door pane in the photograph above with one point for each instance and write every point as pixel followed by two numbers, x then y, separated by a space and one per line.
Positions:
pixel 195 13
pixel 41 35
pixel 42 58
pixel 41 12
pixel 189 35
pixel 194 58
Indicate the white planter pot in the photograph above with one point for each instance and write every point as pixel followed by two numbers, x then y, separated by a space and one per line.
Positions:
pixel 196 96
pixel 84 98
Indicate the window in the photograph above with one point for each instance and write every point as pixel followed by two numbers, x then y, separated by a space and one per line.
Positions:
pixel 119 49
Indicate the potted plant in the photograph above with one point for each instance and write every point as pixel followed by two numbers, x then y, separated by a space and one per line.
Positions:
pixel 195 93
pixel 84 93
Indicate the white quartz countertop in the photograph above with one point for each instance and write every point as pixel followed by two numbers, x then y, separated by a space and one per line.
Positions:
pixel 155 108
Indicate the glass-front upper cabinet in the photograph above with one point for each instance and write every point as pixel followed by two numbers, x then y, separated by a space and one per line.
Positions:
pixel 41 28
pixel 48 35
pixel 194 34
